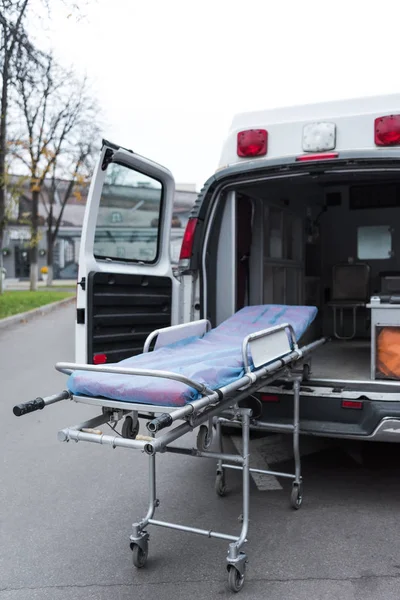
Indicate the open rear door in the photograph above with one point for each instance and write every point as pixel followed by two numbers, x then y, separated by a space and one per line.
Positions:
pixel 126 288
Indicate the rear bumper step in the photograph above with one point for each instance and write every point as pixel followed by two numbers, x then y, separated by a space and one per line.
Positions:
pixel 388 430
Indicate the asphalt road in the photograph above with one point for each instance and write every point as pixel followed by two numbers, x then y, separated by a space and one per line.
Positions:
pixel 66 509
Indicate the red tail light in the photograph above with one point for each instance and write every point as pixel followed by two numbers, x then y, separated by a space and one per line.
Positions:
pixel 269 398
pixel 352 404
pixel 252 142
pixel 321 156
pixel 99 359
pixel 188 238
pixel 387 131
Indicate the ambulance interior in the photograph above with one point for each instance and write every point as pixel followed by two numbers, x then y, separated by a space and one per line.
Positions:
pixel 330 241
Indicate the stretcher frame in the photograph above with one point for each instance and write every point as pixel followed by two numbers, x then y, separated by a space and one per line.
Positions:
pixel 267 355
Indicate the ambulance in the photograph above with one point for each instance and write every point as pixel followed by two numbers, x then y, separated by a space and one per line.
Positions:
pixel 304 209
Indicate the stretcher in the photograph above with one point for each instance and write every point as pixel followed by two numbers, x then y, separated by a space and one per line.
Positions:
pixel 194 377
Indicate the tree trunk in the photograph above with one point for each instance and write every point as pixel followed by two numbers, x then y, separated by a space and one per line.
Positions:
pixel 3 149
pixel 1 264
pixel 50 234
pixel 34 240
pixel 50 257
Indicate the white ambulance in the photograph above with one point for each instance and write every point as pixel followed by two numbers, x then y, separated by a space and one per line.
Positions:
pixel 304 209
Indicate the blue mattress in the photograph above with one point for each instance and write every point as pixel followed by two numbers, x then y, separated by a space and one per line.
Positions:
pixel 214 360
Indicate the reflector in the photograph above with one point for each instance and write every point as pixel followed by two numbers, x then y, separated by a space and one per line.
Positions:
pixel 99 359
pixel 269 398
pixel 352 404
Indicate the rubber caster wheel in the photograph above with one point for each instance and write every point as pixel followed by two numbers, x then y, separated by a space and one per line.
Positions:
pixel 129 431
pixel 235 580
pixel 203 438
pixel 139 556
pixel 296 497
pixel 220 487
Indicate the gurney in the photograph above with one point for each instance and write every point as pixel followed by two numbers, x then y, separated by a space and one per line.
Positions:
pixel 194 377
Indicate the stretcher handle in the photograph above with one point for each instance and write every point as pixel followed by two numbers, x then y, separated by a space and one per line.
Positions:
pixel 39 403
pixel 28 407
pixel 164 420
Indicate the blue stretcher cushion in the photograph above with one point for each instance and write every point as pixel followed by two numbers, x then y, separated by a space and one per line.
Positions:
pixel 214 360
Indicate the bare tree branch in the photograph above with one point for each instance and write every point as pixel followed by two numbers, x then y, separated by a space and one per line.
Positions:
pixel 16 51
pixel 58 115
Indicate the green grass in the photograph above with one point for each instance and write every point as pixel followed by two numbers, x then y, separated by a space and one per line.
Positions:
pixel 13 303
pixel 58 286
pixel 55 288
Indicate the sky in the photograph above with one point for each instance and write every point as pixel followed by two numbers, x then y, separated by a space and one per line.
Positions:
pixel 171 74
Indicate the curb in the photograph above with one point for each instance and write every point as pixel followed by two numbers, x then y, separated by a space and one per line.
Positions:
pixel 35 312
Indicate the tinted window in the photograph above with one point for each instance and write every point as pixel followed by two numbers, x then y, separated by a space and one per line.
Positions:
pixel 127 225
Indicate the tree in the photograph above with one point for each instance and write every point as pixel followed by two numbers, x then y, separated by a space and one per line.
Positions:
pixel 15 43
pixel 78 163
pixel 12 40
pixel 55 108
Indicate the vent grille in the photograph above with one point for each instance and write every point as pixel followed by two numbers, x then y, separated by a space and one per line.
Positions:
pixel 123 310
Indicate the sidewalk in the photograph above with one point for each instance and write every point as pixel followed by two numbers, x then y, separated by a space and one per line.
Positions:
pixel 61 284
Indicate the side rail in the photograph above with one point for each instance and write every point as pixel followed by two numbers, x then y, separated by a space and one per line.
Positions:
pixel 68 368
pixel 268 345
pixel 176 333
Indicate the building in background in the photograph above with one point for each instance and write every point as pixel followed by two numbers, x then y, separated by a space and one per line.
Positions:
pixel 16 255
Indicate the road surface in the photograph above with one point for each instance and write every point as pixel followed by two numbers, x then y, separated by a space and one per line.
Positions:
pixel 66 509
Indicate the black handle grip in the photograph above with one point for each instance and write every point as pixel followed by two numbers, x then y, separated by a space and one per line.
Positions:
pixel 164 420
pixel 28 407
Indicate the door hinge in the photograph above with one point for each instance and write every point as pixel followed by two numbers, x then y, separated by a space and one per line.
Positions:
pixel 107 159
pixel 80 316
pixel 82 283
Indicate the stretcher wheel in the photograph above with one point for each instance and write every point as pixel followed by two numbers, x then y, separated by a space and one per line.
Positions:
pixel 220 487
pixel 235 579
pixel 139 556
pixel 203 438
pixel 296 497
pixel 129 430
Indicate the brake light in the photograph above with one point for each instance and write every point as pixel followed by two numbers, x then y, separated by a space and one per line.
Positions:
pixel 252 142
pixel 269 398
pixel 99 359
pixel 321 156
pixel 188 239
pixel 387 130
pixel 352 404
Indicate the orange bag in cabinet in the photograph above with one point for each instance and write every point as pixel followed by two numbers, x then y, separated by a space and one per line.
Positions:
pixel 388 352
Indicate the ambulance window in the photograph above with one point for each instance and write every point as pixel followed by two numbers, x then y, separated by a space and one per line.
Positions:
pixel 374 242
pixel 128 219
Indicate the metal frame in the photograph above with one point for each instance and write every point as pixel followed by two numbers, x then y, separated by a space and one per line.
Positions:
pixel 208 412
pixel 345 303
pixel 176 333
pixel 342 307
pixel 251 340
